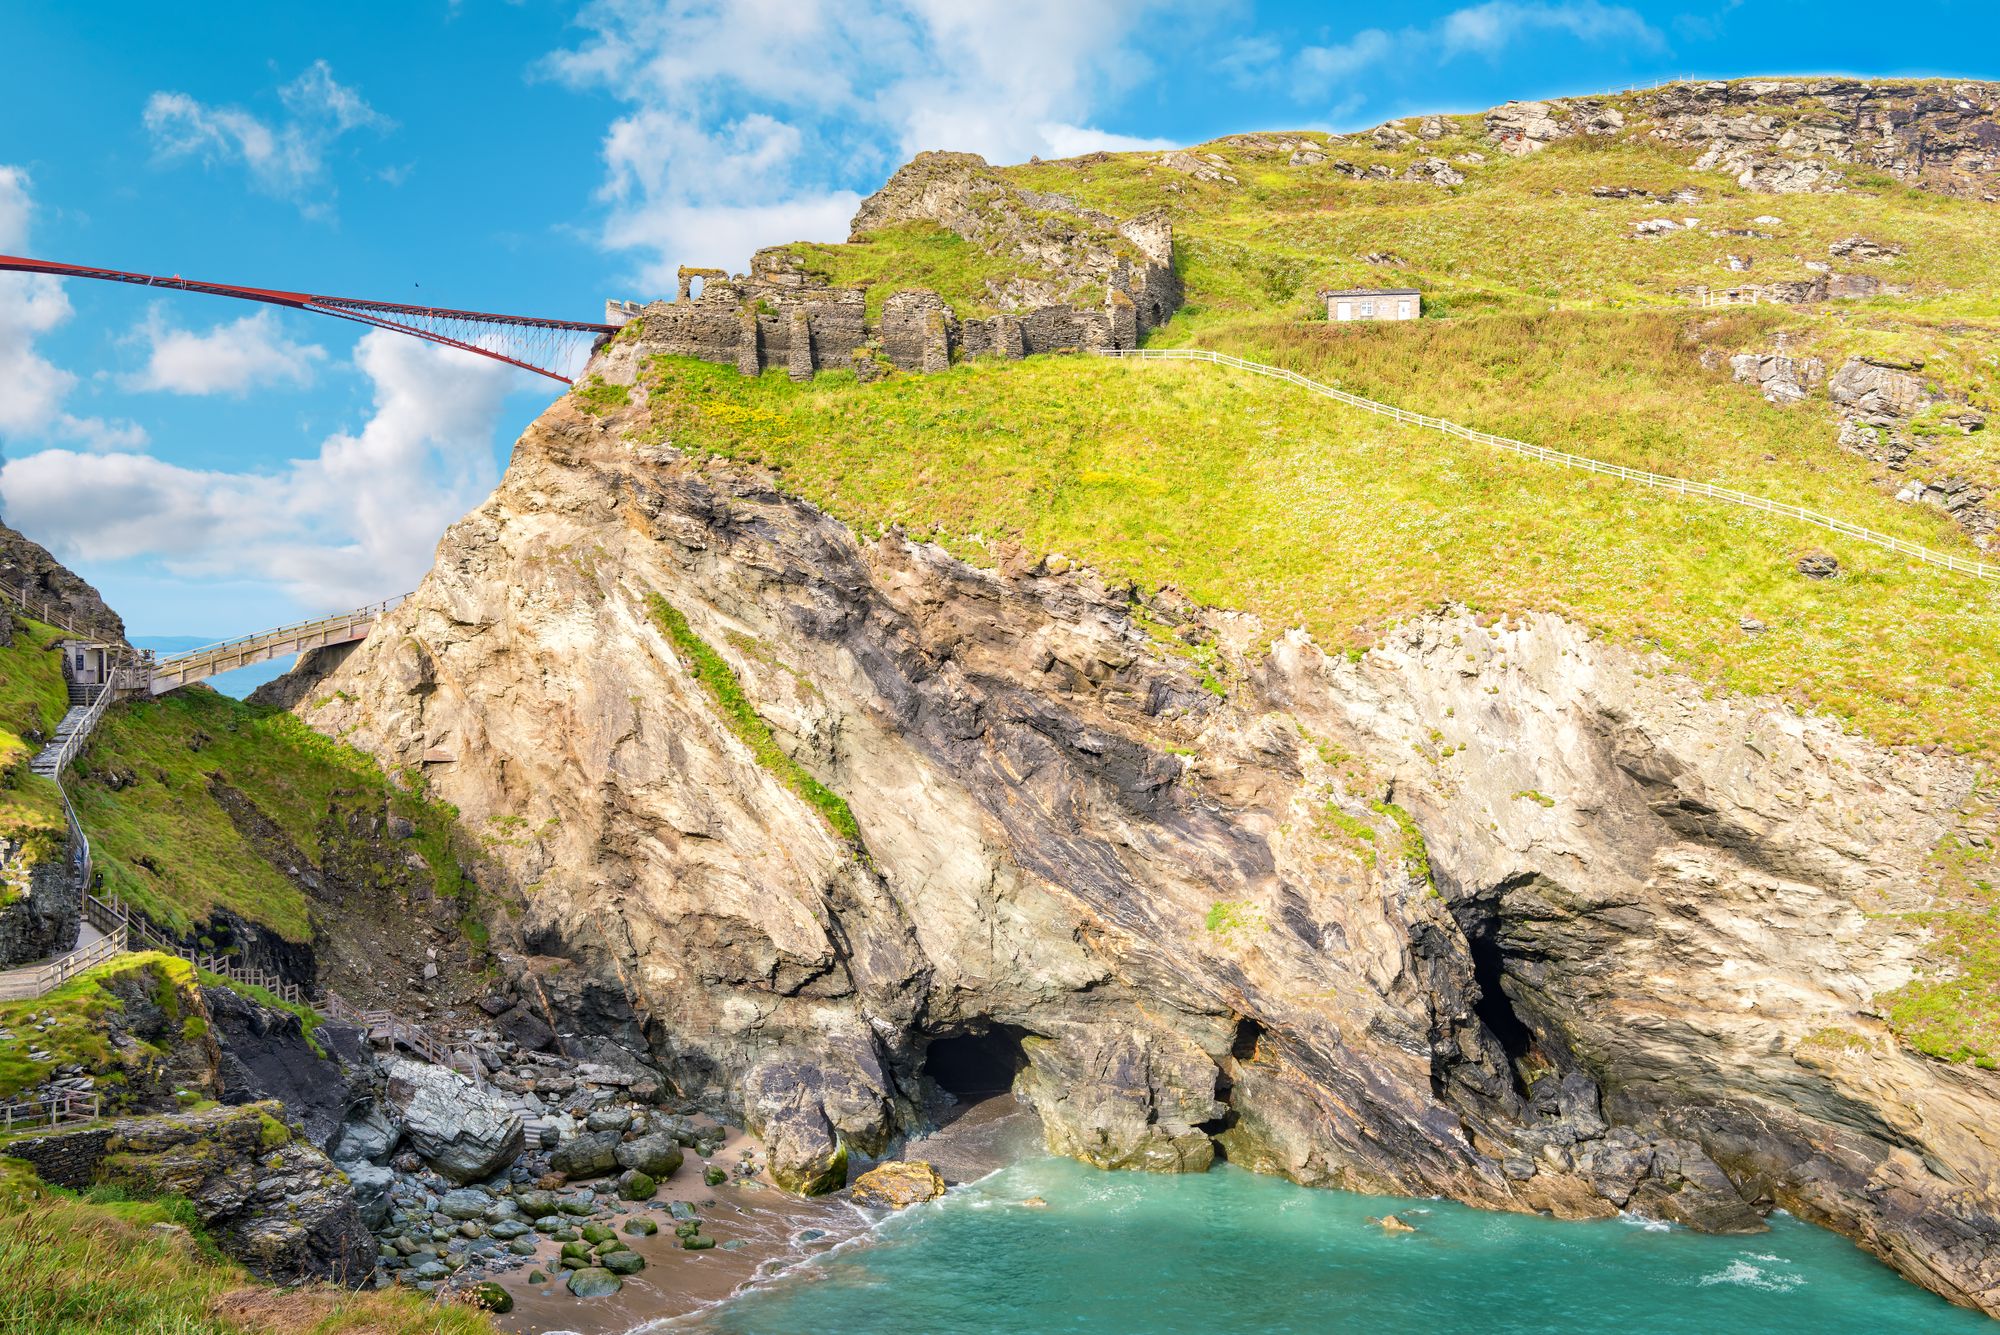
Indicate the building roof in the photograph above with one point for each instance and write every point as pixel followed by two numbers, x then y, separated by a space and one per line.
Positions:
pixel 1372 292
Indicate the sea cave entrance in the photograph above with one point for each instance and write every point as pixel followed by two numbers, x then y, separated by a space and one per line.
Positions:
pixel 974 1066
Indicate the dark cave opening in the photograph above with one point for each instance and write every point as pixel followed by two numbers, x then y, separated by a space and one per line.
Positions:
pixel 1492 1005
pixel 1242 1050
pixel 977 1065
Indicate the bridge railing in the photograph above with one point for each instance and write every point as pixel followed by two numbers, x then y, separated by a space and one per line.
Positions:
pixel 77 738
pixel 1902 546
pixel 79 854
pixel 298 630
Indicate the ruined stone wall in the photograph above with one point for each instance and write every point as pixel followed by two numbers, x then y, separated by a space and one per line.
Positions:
pixel 780 316
pixel 67 1159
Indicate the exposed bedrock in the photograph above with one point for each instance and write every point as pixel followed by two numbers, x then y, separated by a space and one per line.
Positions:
pixel 1495 911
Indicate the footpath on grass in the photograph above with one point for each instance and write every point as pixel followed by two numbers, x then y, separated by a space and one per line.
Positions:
pixel 1682 486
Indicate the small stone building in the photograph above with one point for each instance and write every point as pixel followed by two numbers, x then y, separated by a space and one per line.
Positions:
pixel 1387 303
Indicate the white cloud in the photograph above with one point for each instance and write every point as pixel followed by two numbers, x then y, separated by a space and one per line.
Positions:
pixel 284 158
pixel 33 390
pixel 677 233
pixel 1071 141
pixel 357 521
pixel 1486 29
pixel 753 122
pixel 1320 65
pixel 1489 28
pixel 234 358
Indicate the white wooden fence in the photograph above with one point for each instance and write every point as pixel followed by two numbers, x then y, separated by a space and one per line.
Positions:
pixel 51 1110
pixel 1961 564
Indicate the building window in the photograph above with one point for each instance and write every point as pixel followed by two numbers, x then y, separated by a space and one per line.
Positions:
pixel 1367 310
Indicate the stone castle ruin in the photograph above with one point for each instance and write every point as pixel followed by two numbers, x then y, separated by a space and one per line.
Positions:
pixel 1086 281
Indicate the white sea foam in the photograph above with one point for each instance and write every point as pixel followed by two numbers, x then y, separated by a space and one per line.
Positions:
pixel 1641 1221
pixel 1752 1277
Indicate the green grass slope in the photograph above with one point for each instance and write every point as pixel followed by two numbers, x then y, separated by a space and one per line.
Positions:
pixel 33 698
pixel 1550 321
pixel 155 790
pixel 103 1263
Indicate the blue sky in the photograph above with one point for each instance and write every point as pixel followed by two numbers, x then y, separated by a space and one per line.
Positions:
pixel 216 467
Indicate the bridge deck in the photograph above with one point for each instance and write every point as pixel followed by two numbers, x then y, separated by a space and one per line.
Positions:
pixel 344 628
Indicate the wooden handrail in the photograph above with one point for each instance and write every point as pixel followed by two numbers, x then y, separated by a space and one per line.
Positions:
pixel 45 613
pixel 52 1110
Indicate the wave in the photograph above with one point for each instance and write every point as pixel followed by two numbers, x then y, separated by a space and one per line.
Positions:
pixel 1753 1277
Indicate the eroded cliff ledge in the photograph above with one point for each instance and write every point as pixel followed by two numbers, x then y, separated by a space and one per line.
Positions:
pixel 1495 910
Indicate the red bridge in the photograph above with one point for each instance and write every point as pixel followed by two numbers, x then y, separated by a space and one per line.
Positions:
pixel 554 348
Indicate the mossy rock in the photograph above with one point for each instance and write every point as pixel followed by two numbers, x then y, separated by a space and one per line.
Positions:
pixel 634 1185
pixel 697 1243
pixel 576 1250
pixel 597 1233
pixel 714 1176
pixel 595 1282
pixel 625 1263
pixel 641 1228
pixel 490 1297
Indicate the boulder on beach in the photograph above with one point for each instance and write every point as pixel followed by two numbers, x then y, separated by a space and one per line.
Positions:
pixel 898 1184
pixel 465 1132
pixel 592 1154
pixel 658 1155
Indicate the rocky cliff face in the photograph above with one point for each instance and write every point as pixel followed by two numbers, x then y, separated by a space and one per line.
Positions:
pixel 1495 910
pixel 27 570
pixel 1078 251
pixel 1791 136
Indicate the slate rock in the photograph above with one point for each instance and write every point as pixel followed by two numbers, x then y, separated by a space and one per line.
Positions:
pixel 464 1132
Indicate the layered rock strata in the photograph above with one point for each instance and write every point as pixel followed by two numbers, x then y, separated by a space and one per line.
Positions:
pixel 1494 910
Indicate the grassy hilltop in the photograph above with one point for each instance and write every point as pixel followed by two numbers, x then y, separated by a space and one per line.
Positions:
pixel 1549 319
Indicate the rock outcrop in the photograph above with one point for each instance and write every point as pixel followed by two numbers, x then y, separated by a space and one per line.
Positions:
pixel 462 1131
pixel 270 1200
pixel 1521 128
pixel 1878 405
pixel 263 1054
pixel 1495 910
pixel 27 570
pixel 1070 254
pixel 1790 136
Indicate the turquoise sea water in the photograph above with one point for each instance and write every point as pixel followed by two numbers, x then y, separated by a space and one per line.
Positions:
pixel 1232 1253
